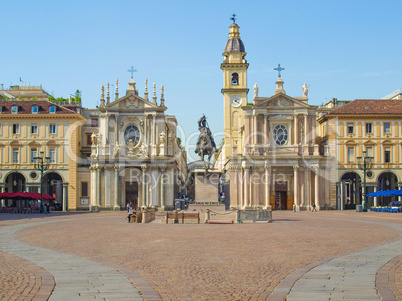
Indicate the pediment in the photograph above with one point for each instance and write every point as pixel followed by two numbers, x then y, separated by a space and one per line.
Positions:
pixel 131 101
pixel 281 101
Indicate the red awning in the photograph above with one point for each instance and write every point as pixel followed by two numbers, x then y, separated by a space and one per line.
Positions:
pixel 25 195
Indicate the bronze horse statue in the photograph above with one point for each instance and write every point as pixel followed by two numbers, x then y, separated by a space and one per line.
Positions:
pixel 205 143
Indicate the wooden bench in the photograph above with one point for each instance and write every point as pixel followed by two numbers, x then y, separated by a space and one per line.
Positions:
pixel 182 215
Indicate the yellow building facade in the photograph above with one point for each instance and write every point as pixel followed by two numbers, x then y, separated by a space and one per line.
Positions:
pixel 365 127
pixel 39 128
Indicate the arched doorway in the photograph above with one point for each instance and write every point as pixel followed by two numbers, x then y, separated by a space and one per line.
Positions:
pixel 387 181
pixel 351 191
pixel 15 182
pixel 53 186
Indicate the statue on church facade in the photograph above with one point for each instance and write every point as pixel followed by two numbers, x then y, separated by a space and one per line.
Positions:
pixel 305 90
pixel 255 91
pixel 205 143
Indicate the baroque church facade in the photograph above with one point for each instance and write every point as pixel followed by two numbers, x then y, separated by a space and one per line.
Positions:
pixel 133 153
pixel 271 156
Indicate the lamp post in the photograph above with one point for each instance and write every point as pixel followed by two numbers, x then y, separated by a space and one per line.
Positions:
pixel 41 164
pixel 365 163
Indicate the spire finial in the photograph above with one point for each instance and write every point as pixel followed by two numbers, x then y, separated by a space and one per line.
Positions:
pixel 117 89
pixel 154 97
pixel 146 89
pixel 162 96
pixel 233 18
pixel 102 100
pixel 107 95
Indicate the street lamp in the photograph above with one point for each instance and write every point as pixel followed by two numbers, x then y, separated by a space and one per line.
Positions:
pixel 365 163
pixel 41 164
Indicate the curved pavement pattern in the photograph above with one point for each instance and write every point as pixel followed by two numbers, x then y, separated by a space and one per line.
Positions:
pixel 351 276
pixel 75 278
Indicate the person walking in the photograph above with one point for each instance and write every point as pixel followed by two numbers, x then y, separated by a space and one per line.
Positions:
pixel 314 208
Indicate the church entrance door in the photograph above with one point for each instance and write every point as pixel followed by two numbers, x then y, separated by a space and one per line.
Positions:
pixel 132 193
pixel 281 196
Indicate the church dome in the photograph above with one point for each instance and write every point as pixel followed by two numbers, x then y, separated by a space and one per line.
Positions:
pixel 234 43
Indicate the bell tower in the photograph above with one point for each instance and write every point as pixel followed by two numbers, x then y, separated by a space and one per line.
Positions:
pixel 234 91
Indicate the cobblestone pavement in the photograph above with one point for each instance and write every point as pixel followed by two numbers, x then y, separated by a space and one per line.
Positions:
pixel 351 276
pixel 214 262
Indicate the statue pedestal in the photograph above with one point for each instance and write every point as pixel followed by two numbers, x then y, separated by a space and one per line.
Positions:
pixel 206 191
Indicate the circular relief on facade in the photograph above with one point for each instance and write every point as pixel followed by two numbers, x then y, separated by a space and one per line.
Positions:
pixel 132 133
pixel 370 174
pixel 33 175
pixel 280 135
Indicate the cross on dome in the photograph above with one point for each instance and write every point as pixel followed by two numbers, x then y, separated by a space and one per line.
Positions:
pixel 233 18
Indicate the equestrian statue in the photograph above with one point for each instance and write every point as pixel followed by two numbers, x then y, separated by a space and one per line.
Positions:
pixel 205 143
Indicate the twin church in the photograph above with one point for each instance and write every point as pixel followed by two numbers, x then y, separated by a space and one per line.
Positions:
pixel 279 151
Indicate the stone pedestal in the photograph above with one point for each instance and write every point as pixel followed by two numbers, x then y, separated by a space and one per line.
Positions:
pixel 206 190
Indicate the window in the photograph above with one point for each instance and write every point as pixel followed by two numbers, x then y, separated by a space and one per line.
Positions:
pixel 280 135
pixel 84 189
pixel 15 155
pixel 88 139
pixel 94 122
pixel 235 79
pixel 351 154
pixel 16 129
pixel 52 128
pixel 350 128
pixel 34 153
pixel 14 109
pixel 387 128
pixel 52 155
pixel 369 151
pixel 35 110
pixel 387 155
pixel 132 133
pixel 369 128
pixel 34 128
pixel 52 109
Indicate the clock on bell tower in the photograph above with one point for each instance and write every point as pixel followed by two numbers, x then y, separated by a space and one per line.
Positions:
pixel 234 91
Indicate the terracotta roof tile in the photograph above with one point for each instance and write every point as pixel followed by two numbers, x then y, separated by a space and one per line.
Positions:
pixel 370 106
pixel 25 107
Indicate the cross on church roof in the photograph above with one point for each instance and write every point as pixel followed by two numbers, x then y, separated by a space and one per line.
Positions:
pixel 279 69
pixel 132 70
pixel 233 18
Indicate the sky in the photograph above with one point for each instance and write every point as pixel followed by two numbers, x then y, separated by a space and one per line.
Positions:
pixel 344 49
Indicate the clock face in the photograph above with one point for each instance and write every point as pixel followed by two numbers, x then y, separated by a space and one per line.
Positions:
pixel 235 101
pixel 133 133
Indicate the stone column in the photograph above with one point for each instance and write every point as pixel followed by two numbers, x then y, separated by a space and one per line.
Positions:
pixel 116 188
pixel 93 195
pixel 265 131
pixel 153 133
pixel 342 194
pixel 65 196
pixel 99 192
pixel 144 186
pixel 375 198
pixel 306 130
pixel 267 186
pixel 317 187
pixel 255 130
pixel 107 187
pixel 246 187
pixel 162 188
pixel 296 129
pixel 296 193
pixel 240 185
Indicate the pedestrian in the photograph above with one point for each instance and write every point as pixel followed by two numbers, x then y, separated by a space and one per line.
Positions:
pixel 294 207
pixel 130 212
pixel 314 208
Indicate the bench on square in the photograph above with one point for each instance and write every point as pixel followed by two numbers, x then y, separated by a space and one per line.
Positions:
pixel 136 218
pixel 182 215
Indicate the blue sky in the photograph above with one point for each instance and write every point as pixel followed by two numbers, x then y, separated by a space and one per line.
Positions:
pixel 344 49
